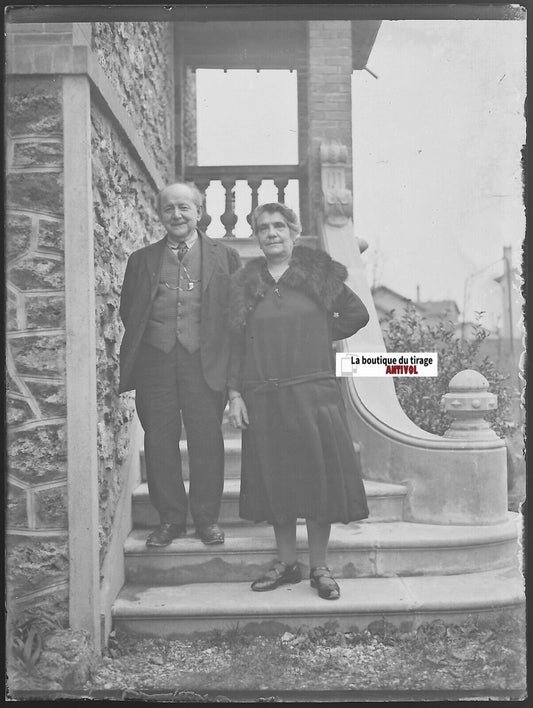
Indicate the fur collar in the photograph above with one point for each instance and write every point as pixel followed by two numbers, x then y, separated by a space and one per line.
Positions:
pixel 312 271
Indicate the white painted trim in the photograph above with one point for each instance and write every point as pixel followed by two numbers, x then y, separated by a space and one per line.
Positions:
pixel 45 379
pixel 12 371
pixel 32 138
pixel 38 533
pixel 27 333
pixel 113 570
pixel 49 485
pixel 38 422
pixel 35 213
pixel 41 592
pixel 52 169
pixel 36 293
pixel 84 562
pixel 82 33
pixel 18 483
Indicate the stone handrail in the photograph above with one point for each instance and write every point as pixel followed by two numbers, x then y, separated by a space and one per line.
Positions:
pixel 461 480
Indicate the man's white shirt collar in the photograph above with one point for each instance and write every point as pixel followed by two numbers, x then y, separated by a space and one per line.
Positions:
pixel 189 241
pixel 192 239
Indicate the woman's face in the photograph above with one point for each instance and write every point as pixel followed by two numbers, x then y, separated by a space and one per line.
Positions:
pixel 275 238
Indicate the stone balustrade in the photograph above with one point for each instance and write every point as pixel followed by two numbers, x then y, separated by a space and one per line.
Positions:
pixel 254 176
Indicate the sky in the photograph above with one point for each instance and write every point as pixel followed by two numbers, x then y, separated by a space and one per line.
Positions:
pixel 436 137
pixel 437 174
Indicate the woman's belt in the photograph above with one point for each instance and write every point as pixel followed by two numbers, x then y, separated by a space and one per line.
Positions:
pixel 266 385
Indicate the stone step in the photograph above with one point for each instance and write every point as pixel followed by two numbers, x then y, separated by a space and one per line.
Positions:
pixel 355 550
pixel 385 503
pixel 406 602
pixel 232 459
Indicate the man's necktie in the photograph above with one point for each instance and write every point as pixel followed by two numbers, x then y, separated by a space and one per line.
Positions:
pixel 182 250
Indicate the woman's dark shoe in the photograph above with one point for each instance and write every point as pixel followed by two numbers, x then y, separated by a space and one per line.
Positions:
pixel 280 574
pixel 323 581
pixel 165 533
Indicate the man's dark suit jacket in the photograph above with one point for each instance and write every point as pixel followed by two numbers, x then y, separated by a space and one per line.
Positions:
pixel 138 292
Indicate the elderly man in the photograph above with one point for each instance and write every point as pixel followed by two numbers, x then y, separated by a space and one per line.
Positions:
pixel 175 350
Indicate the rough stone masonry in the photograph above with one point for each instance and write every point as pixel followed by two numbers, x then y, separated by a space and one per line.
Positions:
pixel 136 59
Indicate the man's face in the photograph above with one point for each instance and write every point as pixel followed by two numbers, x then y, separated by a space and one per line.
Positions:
pixel 178 211
pixel 274 236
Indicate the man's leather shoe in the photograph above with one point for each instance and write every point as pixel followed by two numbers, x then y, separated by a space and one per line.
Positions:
pixel 280 574
pixel 165 533
pixel 210 534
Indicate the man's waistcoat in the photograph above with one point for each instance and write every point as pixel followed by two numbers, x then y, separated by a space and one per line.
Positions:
pixel 175 312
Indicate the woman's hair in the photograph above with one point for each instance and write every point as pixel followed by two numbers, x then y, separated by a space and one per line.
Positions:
pixel 293 222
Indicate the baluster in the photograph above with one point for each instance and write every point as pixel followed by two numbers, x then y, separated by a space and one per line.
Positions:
pixel 281 184
pixel 205 219
pixel 229 218
pixel 254 185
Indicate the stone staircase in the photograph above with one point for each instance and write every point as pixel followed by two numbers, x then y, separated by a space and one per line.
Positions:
pixel 404 572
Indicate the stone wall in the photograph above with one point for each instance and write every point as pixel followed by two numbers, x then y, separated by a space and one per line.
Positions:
pixel 37 523
pixel 137 59
pixel 124 220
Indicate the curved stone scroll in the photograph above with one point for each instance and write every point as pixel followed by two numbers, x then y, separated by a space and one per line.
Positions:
pixel 452 479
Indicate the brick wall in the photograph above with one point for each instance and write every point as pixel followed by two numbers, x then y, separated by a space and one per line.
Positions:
pixel 329 102
pixel 303 144
pixel 37 521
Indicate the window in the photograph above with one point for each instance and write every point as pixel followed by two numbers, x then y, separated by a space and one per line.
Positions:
pixel 246 118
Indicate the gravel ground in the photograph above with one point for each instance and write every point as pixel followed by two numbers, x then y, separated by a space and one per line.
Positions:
pixel 485 658
pixel 435 657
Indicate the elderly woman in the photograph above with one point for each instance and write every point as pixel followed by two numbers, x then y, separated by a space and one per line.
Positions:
pixel 298 460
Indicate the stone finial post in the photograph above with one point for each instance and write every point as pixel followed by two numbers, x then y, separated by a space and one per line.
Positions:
pixel 467 402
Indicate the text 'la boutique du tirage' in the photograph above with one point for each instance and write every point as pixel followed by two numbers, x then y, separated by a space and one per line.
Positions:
pixel 388 364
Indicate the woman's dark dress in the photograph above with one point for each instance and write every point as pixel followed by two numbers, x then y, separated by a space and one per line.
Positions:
pixel 298 459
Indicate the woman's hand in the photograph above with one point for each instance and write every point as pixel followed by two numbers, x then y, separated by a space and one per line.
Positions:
pixel 238 415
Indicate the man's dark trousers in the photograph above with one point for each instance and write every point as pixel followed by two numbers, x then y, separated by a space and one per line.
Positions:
pixel 170 383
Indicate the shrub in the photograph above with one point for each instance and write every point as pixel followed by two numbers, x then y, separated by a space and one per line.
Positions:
pixel 420 397
pixel 26 631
